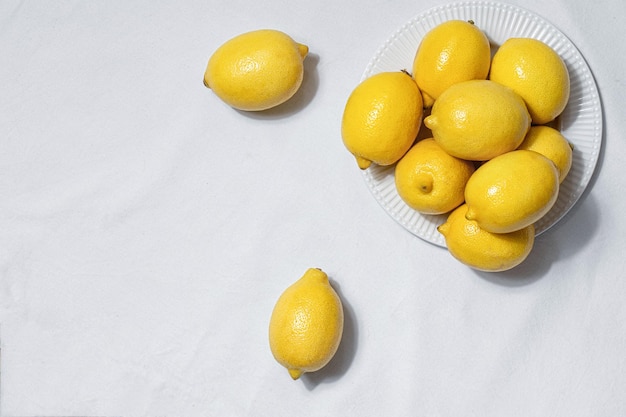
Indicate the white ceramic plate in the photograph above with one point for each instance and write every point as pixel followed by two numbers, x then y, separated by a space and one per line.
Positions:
pixel 580 122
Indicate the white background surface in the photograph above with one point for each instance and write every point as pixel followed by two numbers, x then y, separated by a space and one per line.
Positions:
pixel 147 229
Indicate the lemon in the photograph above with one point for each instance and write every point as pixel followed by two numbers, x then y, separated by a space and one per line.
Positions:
pixel 430 180
pixel 553 145
pixel 511 191
pixel 483 250
pixel 256 70
pixel 381 118
pixel 537 73
pixel 306 324
pixel 478 120
pixel 451 52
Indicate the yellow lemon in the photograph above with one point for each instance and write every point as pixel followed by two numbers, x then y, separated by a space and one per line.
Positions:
pixel 478 120
pixel 306 324
pixel 483 250
pixel 430 180
pixel 256 70
pixel 536 72
pixel 553 145
pixel 381 118
pixel 451 52
pixel 511 191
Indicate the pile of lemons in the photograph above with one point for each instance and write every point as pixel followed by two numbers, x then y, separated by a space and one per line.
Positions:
pixel 489 155
pixel 491 160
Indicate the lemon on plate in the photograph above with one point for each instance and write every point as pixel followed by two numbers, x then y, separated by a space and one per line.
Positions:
pixel 483 250
pixel 478 120
pixel 382 118
pixel 306 324
pixel 551 143
pixel 256 70
pixel 451 52
pixel 511 191
pixel 430 180
pixel 536 72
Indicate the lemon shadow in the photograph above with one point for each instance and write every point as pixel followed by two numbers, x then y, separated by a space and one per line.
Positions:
pixel 576 229
pixel 301 99
pixel 341 361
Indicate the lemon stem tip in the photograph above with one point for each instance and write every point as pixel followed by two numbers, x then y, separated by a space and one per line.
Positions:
pixel 303 50
pixel 295 373
pixel 316 274
pixel 363 163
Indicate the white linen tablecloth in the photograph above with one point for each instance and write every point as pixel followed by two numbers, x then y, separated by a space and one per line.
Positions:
pixel 147 229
